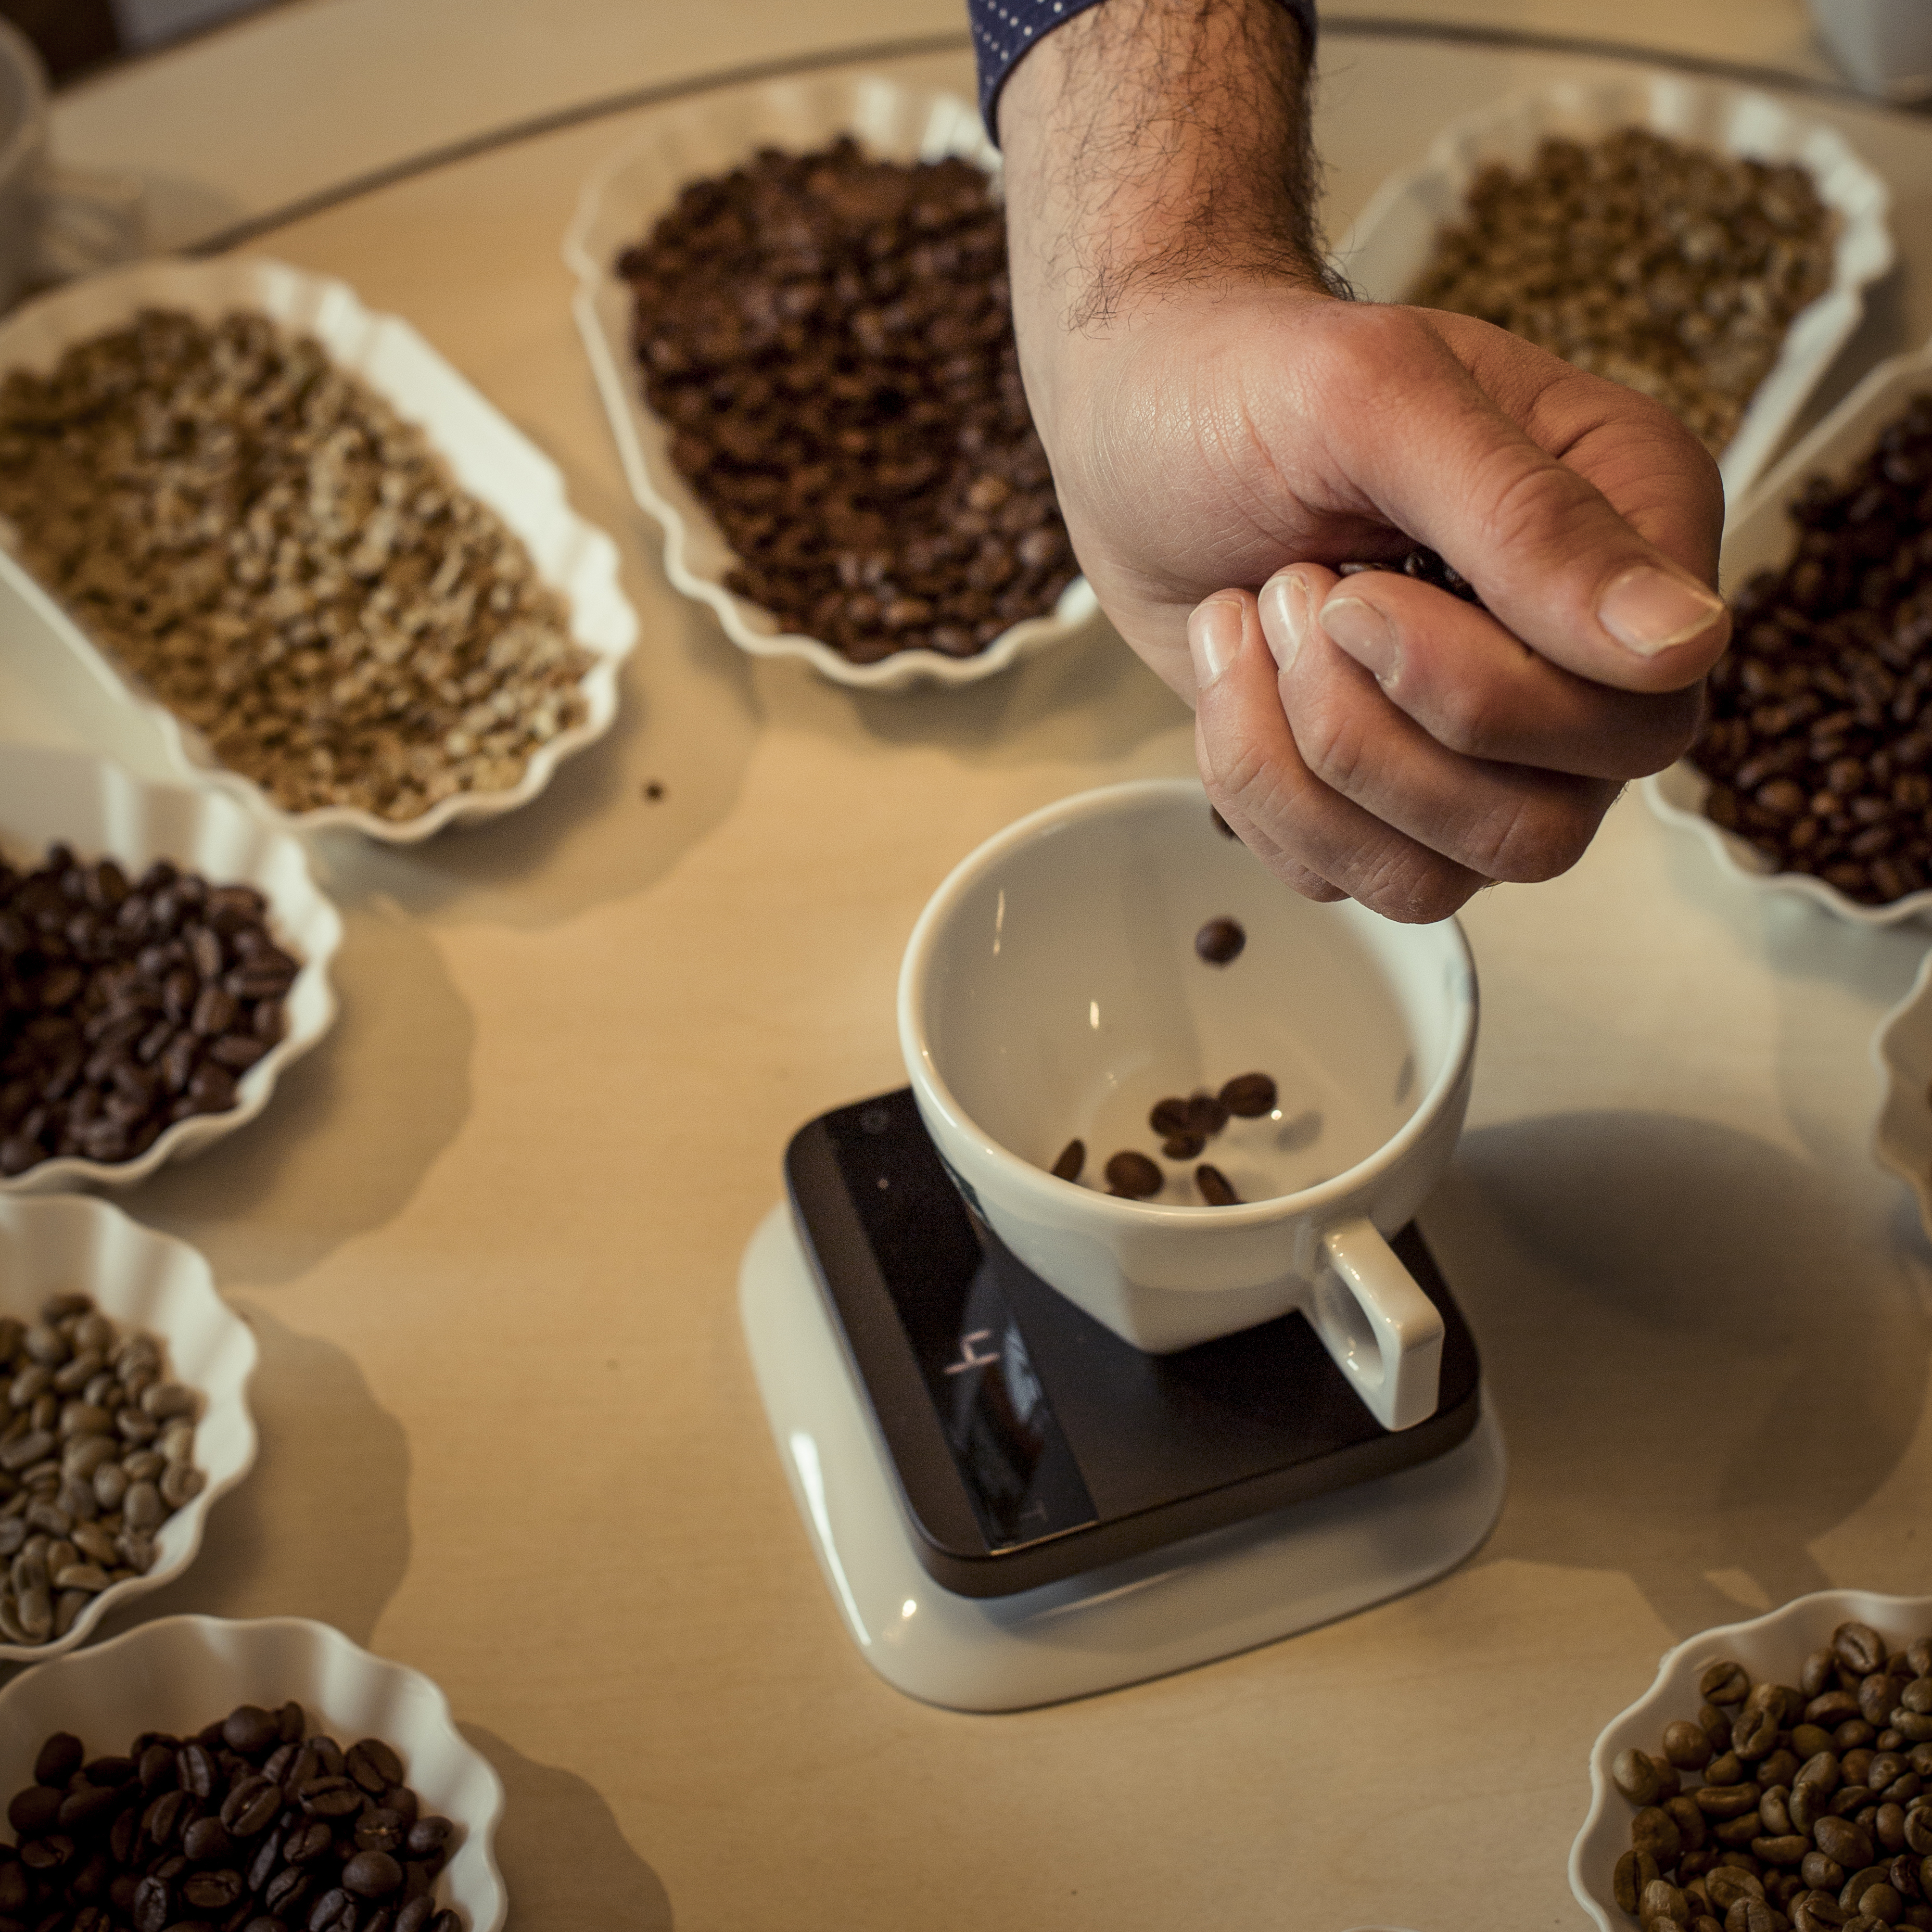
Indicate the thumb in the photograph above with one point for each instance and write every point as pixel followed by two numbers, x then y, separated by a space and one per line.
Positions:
pixel 1554 559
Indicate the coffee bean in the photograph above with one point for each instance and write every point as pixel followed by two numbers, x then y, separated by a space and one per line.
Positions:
pixel 104 1028
pixel 1220 941
pixel 1248 1095
pixel 1206 1115
pixel 852 416
pixel 1182 1146
pixel 1169 1118
pixel 1072 1159
pixel 1133 1175
pixel 178 1862
pixel 1724 1683
pixel 60 1757
pixel 1216 1189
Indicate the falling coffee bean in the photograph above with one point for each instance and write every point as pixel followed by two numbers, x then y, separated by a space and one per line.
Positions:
pixel 1072 1159
pixel 1169 1117
pixel 1133 1175
pixel 1182 1146
pixel 1220 941
pixel 1248 1095
pixel 1206 1114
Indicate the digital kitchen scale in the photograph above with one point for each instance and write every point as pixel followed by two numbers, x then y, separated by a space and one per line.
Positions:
pixel 1011 1505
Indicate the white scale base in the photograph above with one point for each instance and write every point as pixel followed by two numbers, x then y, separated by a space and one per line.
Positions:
pixel 1208 1597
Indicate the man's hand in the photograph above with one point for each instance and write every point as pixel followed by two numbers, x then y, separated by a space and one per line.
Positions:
pixel 1224 431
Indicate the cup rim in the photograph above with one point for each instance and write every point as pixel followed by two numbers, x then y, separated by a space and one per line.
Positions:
pixel 26 57
pixel 1110 1210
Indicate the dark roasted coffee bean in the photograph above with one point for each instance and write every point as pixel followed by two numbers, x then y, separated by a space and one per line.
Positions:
pixel 1206 1115
pixel 372 1875
pixel 206 1841
pixel 307 1842
pixel 329 1798
pixel 381 1830
pixel 219 1891
pixel 60 1758
pixel 250 1730
pixel 252 1805
pixel 1072 1159
pixel 34 1810
pixel 326 1914
pixel 1182 1146
pixel 1248 1095
pixel 429 1836
pixel 1216 1189
pixel 1133 1175
pixel 286 1892
pixel 88 1805
pixel 1169 1117
pixel 196 1767
pixel 1219 942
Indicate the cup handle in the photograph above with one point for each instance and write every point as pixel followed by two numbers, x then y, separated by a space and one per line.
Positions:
pixel 1384 1333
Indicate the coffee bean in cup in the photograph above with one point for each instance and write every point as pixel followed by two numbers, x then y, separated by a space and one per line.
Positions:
pixel 126 1004
pixel 829 338
pixel 97 1451
pixel 251 1823
pixel 1806 1805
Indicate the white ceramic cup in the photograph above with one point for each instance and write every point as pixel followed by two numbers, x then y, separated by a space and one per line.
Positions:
pixel 1051 991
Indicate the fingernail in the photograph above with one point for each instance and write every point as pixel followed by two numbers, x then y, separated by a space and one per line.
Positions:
pixel 1366 634
pixel 1648 610
pixel 1213 637
pixel 1285 607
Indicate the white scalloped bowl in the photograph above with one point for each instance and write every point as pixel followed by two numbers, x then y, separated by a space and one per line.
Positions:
pixel 101 810
pixel 490 458
pixel 1773 1645
pixel 620 201
pixel 1393 236
pixel 54 1244
pixel 180 1673
pixel 1902 1050
pixel 1758 536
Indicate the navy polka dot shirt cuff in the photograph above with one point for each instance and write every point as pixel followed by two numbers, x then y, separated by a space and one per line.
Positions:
pixel 1003 30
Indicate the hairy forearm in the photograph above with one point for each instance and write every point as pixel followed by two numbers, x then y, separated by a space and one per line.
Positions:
pixel 1154 146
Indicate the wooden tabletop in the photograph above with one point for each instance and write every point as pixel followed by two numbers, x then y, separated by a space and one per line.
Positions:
pixel 488 1234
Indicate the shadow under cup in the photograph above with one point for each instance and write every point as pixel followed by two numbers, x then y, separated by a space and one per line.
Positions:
pixel 1052 991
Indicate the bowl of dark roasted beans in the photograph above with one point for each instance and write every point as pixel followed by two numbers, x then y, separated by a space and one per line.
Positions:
pixel 163 956
pixel 270 1774
pixel 1777 1774
pixel 1812 770
pixel 124 1415
pixel 795 301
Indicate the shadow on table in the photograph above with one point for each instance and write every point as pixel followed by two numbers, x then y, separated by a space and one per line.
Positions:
pixel 1698 1370
pixel 564 1860
pixel 320 1527
pixel 352 1127
pixel 1085 699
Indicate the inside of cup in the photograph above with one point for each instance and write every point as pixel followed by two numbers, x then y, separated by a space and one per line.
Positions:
pixel 1066 996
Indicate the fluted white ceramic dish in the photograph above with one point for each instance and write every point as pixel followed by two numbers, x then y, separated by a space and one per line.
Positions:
pixel 622 200
pixel 1759 536
pixel 54 1244
pixel 179 1673
pixel 1395 234
pixel 489 457
pixel 1902 1050
pixel 102 810
pixel 1773 1646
